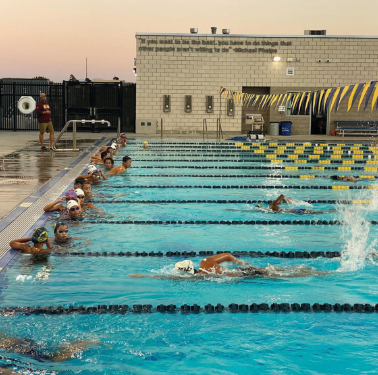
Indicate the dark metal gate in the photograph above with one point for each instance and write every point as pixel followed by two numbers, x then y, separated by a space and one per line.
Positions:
pixel 70 101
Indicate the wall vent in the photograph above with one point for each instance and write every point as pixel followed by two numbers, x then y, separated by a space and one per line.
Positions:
pixel 289 71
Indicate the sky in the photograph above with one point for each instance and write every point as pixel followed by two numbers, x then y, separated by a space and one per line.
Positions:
pixel 53 39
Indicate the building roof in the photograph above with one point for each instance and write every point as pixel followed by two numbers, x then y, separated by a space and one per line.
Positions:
pixel 261 36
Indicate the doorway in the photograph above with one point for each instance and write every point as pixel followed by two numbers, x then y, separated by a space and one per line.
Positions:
pixel 319 123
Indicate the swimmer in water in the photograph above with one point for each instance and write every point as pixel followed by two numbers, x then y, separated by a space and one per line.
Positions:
pixel 108 163
pixel 75 213
pixel 274 206
pixel 126 164
pixel 28 347
pixel 210 266
pixel 39 238
pixel 145 145
pixel 57 206
pixel 344 178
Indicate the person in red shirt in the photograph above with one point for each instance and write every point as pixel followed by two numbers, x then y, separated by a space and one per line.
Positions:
pixel 44 120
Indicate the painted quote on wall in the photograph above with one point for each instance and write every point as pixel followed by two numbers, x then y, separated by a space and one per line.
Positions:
pixel 211 46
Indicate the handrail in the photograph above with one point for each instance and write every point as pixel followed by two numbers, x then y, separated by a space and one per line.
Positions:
pixel 204 127
pixel 219 129
pixel 74 132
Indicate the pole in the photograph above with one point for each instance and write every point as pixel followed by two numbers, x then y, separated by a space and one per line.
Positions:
pixel 161 128
pixel 74 136
pixel 86 68
pixel 119 128
pixel 14 108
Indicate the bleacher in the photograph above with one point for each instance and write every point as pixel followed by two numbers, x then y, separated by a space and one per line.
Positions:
pixel 356 127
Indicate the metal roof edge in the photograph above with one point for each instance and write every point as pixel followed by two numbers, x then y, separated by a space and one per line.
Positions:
pixel 262 35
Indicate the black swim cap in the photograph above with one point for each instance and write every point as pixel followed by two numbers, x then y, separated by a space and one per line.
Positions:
pixel 57 224
pixel 335 177
pixel 40 235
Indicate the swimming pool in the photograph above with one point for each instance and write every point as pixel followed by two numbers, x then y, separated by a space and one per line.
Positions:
pixel 179 208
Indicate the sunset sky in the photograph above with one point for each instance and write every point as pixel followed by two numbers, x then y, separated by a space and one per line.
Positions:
pixel 53 38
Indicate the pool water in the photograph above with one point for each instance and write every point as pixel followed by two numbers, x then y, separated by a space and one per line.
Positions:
pixel 219 343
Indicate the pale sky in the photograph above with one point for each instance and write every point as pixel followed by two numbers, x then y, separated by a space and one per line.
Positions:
pixel 53 38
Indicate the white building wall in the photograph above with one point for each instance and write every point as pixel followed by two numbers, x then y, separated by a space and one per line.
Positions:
pixel 186 70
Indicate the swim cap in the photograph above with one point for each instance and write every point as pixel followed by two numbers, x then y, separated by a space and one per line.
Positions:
pixel 91 168
pixel 185 266
pixel 72 193
pixel 259 206
pixel 145 142
pixel 57 224
pixel 79 192
pixel 96 174
pixel 40 235
pixel 113 146
pixel 71 204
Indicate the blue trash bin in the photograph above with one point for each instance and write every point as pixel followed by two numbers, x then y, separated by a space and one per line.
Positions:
pixel 285 127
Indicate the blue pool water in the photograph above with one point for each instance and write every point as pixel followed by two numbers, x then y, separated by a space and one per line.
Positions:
pixel 224 343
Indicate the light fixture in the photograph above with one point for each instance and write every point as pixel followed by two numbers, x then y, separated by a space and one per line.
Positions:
pixel 276 58
pixel 135 72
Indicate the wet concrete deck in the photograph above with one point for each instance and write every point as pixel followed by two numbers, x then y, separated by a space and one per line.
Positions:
pixel 24 168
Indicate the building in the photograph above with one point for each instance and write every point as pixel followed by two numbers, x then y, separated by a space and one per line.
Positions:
pixel 179 77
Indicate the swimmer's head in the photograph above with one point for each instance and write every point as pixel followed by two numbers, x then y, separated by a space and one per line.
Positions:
pixel 185 266
pixel 96 175
pixel 145 144
pixel 40 235
pixel 61 231
pixel 73 208
pixel 78 184
pixel 259 206
pixel 91 168
pixel 114 146
pixel 126 161
pixel 71 195
pixel 80 194
pixel 335 177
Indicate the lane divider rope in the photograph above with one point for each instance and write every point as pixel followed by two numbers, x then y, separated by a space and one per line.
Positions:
pixel 225 222
pixel 296 187
pixel 224 201
pixel 240 176
pixel 251 254
pixel 319 168
pixel 193 308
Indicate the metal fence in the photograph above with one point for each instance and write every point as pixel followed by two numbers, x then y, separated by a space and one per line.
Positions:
pixel 69 101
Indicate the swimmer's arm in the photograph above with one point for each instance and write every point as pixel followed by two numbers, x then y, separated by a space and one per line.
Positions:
pixel 21 244
pixel 54 206
pixel 103 175
pixel 225 257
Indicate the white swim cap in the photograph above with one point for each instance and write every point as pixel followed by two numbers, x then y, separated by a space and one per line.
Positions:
pixel 79 192
pixel 91 168
pixel 71 204
pixel 113 146
pixel 185 266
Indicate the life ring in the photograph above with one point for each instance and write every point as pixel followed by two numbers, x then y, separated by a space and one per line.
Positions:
pixel 26 105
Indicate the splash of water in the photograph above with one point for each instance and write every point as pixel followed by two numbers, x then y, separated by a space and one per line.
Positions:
pixel 358 246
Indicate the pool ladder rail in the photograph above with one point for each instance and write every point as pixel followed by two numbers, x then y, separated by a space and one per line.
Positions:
pixel 74 138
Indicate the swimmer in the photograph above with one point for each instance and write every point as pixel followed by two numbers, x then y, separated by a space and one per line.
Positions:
pixel 274 206
pixel 57 206
pixel 344 178
pixel 94 177
pixel 97 159
pixel 62 236
pixel 126 163
pixel 123 140
pixel 78 184
pixel 210 266
pixel 74 211
pixel 81 198
pixel 39 238
pixel 87 188
pixel 28 347
pixel 108 163
pixel 145 145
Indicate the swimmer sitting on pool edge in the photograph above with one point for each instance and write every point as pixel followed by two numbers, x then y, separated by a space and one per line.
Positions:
pixel 210 266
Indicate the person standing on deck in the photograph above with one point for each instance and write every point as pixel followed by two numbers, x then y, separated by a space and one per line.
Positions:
pixel 44 121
